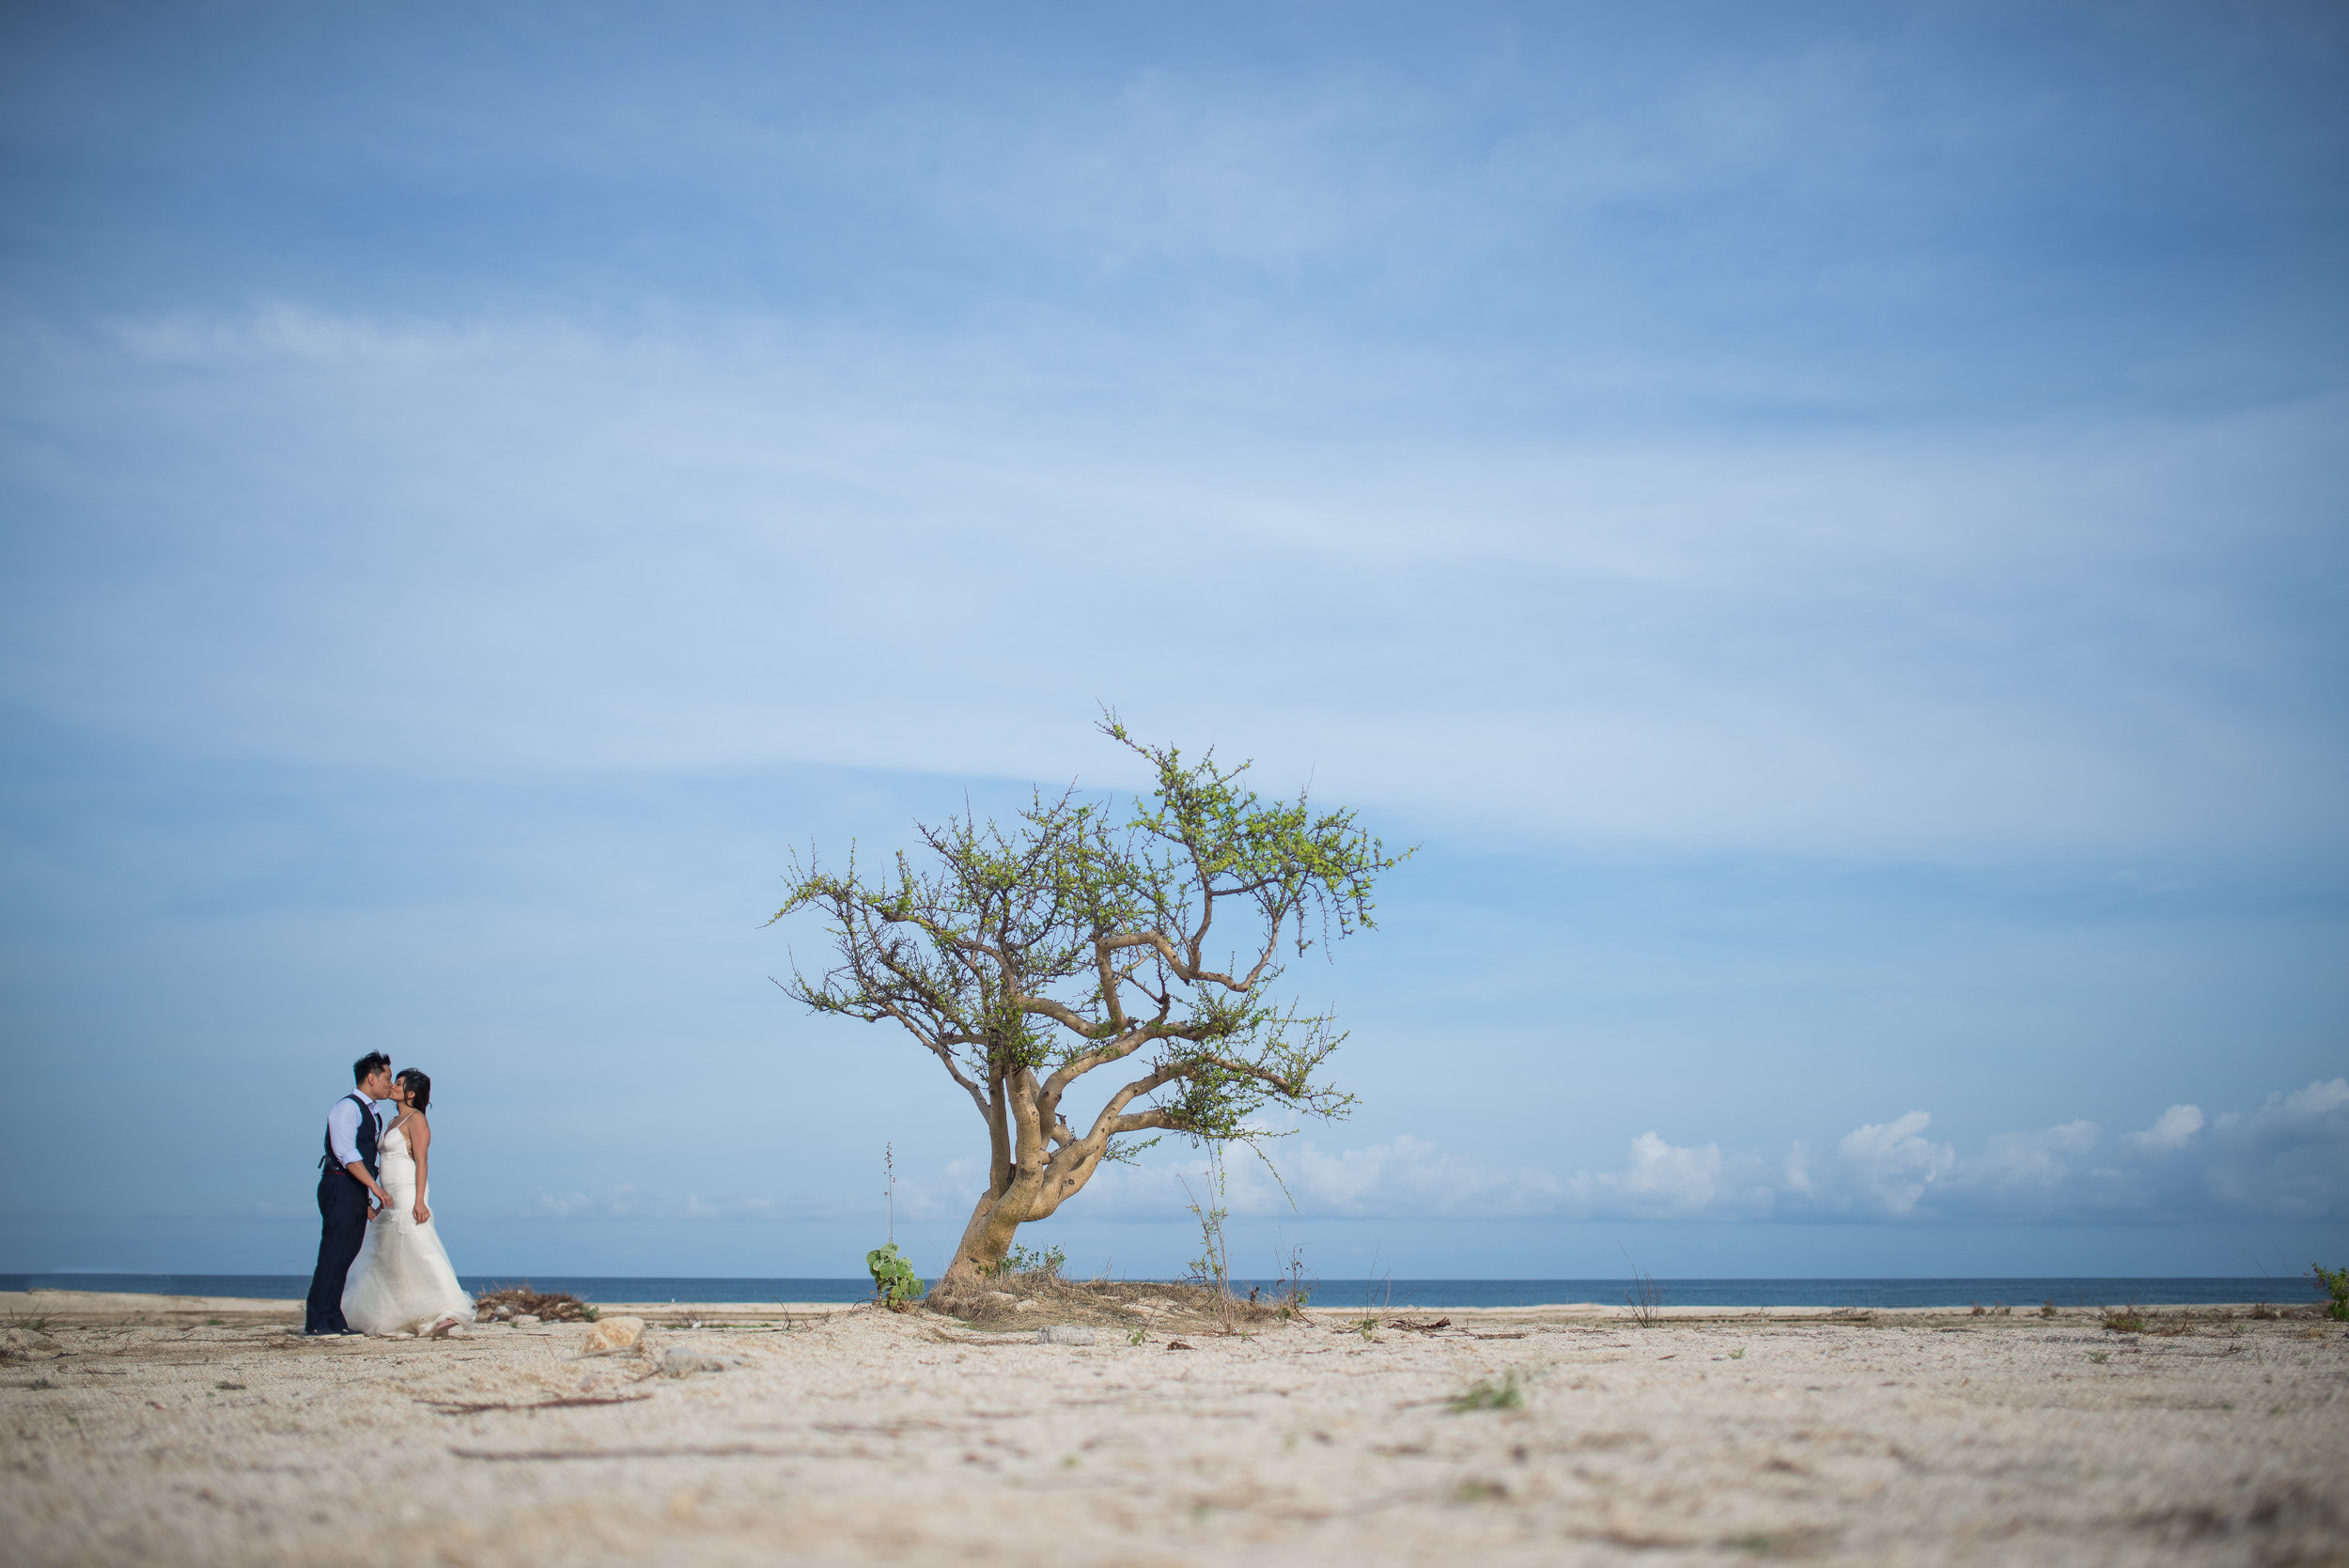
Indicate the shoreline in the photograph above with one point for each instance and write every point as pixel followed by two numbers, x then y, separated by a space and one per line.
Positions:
pixel 114 1306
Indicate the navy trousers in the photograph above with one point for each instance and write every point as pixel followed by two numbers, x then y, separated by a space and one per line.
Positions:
pixel 343 1226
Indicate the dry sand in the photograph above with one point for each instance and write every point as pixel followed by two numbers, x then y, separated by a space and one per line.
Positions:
pixel 170 1430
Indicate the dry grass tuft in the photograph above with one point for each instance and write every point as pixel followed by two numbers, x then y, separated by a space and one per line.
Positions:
pixel 995 1303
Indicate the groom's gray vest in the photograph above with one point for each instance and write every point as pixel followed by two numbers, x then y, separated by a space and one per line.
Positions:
pixel 366 1142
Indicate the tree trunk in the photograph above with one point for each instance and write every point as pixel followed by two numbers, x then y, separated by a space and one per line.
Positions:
pixel 1027 1179
pixel 986 1240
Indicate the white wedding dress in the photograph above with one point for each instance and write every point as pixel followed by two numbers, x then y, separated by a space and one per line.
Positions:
pixel 402 1280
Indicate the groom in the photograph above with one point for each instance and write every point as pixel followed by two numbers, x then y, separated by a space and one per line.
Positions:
pixel 348 1190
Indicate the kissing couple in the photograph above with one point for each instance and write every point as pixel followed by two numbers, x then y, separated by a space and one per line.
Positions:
pixel 381 1269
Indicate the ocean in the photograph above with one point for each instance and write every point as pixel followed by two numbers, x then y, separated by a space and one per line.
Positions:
pixel 2092 1291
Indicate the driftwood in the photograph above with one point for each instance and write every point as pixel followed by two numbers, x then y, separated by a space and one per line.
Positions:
pixel 456 1408
pixel 724 1451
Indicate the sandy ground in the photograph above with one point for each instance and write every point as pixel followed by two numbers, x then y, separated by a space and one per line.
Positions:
pixel 169 1430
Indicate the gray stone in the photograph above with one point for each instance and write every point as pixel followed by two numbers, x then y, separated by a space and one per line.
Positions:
pixel 682 1361
pixel 1064 1333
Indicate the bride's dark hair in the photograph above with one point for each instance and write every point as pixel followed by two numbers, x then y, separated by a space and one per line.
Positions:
pixel 418 1085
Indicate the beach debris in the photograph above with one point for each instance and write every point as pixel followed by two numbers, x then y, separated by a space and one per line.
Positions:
pixel 522 1304
pixel 1064 1333
pixel 683 1361
pixel 525 1320
pixel 614 1333
pixel 25 1342
pixel 1179 1344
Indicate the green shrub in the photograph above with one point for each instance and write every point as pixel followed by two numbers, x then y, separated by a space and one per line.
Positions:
pixel 2336 1282
pixel 894 1283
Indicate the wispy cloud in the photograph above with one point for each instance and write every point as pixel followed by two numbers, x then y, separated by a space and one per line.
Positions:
pixel 626 1201
pixel 2288 1158
pixel 1816 644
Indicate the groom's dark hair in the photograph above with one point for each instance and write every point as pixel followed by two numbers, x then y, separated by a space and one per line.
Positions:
pixel 374 1061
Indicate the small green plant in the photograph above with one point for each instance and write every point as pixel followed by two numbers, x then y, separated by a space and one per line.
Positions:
pixel 232 1386
pixel 40 1383
pixel 2046 1309
pixel 1292 1292
pixel 1367 1328
pixel 214 1322
pixel 2336 1283
pixel 893 1282
pixel 1739 1354
pixel 1212 1268
pixel 1481 1491
pixel 1020 1260
pixel 591 1313
pixel 1484 1394
pixel 2124 1320
pixel 1135 1336
pixel 2100 1357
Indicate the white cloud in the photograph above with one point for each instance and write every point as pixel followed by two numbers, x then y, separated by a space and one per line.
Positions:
pixel 2288 1158
pixel 2290 1155
pixel 1893 1164
pixel 1675 1177
pixel 2011 1159
pixel 2174 1128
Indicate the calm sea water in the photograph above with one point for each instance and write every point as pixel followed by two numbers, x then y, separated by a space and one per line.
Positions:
pixel 2063 1291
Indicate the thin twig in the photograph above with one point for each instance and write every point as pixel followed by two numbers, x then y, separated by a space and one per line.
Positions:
pixel 454 1407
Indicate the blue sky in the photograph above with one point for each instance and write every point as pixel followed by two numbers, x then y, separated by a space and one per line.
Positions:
pixel 1825 522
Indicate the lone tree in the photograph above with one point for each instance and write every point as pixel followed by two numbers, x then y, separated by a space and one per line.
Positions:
pixel 1026 957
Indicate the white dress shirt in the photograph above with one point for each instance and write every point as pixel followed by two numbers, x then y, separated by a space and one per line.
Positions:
pixel 342 1130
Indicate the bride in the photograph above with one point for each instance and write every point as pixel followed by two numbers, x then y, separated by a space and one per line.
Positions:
pixel 402 1282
